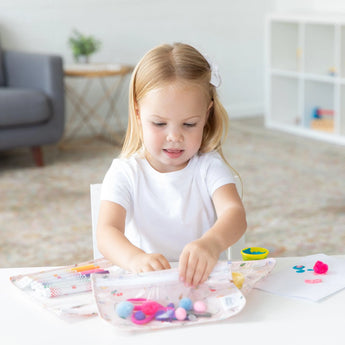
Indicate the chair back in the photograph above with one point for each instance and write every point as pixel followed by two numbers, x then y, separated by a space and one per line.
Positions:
pixel 233 252
pixel 95 197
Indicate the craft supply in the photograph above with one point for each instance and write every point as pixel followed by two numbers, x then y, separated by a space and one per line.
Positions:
pixel 320 267
pixel 139 315
pixel 143 321
pixel 84 268
pixel 302 281
pixel 142 311
pixel 165 315
pixel 149 307
pixel 180 314
pixel 254 253
pixel 186 303
pixel 124 309
pixel 64 289
pixel 199 307
pixel 238 279
pixel 219 294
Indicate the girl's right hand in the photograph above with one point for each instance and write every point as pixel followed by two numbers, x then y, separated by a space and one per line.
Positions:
pixel 144 262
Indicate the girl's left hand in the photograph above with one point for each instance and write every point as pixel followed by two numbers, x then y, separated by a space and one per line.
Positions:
pixel 197 261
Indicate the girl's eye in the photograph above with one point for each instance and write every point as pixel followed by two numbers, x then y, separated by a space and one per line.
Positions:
pixel 190 124
pixel 159 124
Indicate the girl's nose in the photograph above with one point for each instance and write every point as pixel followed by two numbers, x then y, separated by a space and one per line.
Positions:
pixel 174 135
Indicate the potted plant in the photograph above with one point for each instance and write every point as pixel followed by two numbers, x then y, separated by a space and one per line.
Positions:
pixel 83 46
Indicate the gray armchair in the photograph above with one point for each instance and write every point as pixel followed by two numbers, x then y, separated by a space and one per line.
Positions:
pixel 32 111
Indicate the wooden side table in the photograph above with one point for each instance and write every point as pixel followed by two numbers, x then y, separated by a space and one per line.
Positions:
pixel 111 78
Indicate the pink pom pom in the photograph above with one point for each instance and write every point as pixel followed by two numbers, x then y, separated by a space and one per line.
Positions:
pixel 180 314
pixel 320 267
pixel 150 307
pixel 199 307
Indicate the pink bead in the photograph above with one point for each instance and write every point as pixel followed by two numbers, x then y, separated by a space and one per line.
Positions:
pixel 180 314
pixel 199 307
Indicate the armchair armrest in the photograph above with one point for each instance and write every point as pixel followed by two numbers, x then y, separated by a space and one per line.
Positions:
pixel 40 72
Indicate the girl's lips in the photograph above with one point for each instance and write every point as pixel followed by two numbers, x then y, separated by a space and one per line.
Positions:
pixel 173 153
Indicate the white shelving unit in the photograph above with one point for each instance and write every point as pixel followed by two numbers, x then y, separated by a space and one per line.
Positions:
pixel 305 75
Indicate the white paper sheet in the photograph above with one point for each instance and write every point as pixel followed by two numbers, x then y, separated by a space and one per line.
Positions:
pixel 300 281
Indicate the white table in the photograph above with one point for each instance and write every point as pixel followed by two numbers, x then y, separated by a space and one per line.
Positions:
pixel 266 319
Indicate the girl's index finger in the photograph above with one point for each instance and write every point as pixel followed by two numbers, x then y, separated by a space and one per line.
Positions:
pixel 182 267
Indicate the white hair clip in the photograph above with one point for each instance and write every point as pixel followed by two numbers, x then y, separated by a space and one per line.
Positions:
pixel 215 80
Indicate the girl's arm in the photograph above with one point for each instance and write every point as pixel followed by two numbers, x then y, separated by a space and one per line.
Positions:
pixel 115 246
pixel 199 257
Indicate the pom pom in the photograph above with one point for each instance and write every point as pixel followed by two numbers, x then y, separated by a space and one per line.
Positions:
pixel 180 314
pixel 320 267
pixel 186 303
pixel 139 315
pixel 150 307
pixel 199 307
pixel 124 309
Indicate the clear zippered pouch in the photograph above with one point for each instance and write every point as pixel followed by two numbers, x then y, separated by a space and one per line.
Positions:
pixel 159 297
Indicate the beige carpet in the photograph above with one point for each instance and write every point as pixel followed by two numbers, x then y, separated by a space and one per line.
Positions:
pixel 294 194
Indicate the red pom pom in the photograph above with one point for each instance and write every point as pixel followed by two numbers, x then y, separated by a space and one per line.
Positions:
pixel 320 267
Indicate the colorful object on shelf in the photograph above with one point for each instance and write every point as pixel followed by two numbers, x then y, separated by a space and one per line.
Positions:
pixel 320 267
pixel 332 71
pixel 322 119
pixel 318 113
pixel 254 253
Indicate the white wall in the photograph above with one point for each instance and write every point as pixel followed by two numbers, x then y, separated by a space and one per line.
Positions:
pixel 231 32
pixel 310 5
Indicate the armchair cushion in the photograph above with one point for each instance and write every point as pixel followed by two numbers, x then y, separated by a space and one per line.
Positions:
pixel 23 107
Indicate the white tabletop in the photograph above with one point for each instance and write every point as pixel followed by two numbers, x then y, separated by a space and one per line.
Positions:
pixel 266 319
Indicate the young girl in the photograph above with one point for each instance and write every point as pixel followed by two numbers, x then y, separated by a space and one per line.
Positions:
pixel 171 195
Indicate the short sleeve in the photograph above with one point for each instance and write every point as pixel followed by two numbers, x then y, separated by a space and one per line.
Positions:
pixel 217 172
pixel 116 184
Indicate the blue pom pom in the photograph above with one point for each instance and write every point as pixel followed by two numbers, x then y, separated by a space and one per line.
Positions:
pixel 186 303
pixel 124 309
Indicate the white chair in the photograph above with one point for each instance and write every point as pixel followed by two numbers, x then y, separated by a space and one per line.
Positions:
pixel 95 197
pixel 234 252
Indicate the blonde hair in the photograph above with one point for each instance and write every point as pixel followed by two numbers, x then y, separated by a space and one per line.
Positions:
pixel 162 65
pixel 167 63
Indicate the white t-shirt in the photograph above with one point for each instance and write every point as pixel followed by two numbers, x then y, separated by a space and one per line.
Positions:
pixel 165 211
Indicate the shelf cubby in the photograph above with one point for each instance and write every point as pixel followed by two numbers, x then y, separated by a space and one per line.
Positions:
pixel 284 53
pixel 319 58
pixel 306 75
